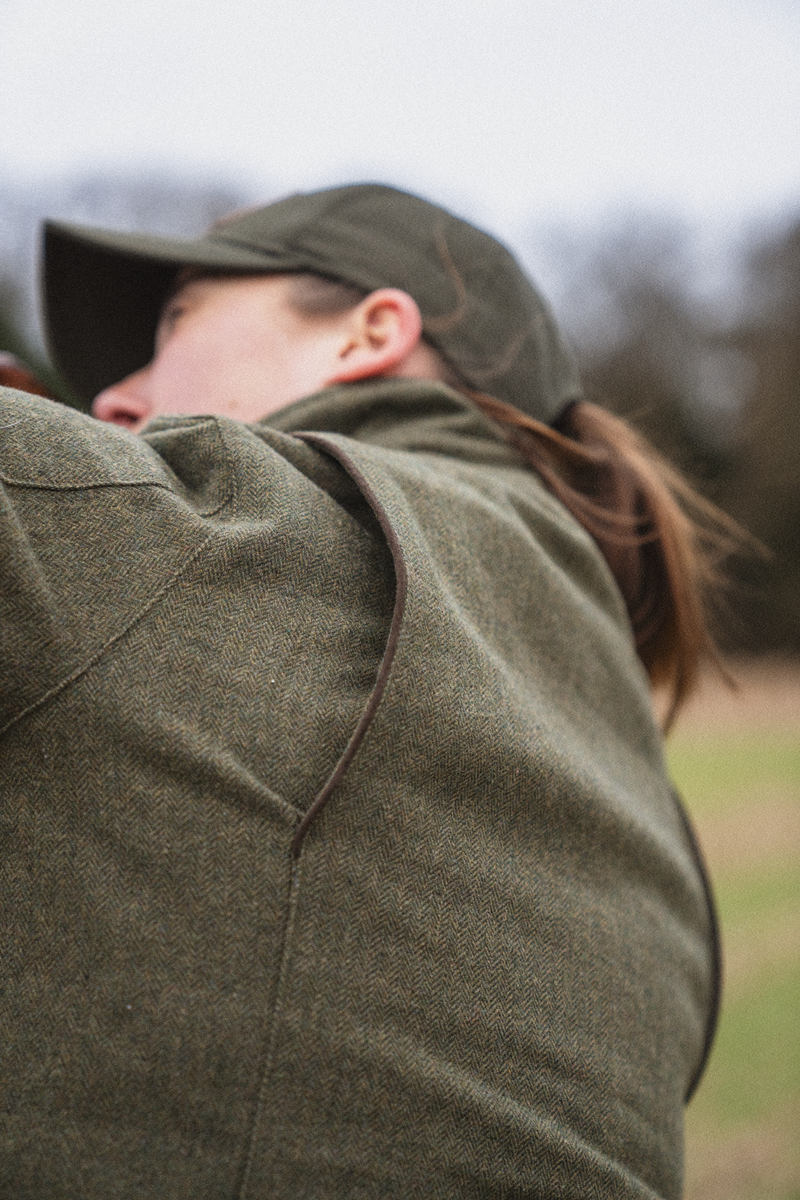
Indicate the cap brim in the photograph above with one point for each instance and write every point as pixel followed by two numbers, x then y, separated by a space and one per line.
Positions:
pixel 103 293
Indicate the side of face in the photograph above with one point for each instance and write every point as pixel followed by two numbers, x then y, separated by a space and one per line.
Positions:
pixel 236 347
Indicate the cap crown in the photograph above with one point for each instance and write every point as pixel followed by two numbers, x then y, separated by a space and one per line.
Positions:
pixel 104 290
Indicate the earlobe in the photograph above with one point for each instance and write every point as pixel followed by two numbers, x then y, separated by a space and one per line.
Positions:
pixel 384 329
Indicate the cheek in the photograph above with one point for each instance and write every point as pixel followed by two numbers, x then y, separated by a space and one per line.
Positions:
pixel 306 365
pixel 187 372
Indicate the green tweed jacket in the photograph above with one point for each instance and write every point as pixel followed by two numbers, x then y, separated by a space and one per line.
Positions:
pixel 338 855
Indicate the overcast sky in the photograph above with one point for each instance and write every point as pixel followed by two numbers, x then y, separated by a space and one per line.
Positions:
pixel 508 110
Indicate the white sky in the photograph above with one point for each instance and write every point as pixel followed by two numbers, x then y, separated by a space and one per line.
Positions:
pixel 510 111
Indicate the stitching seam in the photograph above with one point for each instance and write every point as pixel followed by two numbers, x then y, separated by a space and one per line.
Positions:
pixel 294 886
pixel 76 674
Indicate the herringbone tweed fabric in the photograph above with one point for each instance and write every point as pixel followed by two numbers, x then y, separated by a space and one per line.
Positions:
pixel 473 960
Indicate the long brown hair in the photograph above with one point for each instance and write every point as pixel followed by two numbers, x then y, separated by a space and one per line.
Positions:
pixel 663 541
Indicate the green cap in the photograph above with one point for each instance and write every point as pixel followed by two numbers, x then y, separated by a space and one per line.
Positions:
pixel 104 290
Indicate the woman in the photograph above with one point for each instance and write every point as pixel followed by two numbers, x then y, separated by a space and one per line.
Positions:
pixel 345 804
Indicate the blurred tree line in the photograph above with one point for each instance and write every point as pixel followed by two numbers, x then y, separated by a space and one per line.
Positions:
pixel 701 353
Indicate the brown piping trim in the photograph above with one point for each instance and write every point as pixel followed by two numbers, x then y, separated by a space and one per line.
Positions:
pixel 401 578
pixel 716 951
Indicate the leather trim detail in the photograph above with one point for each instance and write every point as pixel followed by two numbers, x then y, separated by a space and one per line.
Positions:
pixel 401 589
pixel 716 951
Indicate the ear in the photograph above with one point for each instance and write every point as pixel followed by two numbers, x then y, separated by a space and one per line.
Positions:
pixel 382 332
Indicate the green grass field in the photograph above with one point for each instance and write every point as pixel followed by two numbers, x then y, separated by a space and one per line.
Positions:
pixel 741 783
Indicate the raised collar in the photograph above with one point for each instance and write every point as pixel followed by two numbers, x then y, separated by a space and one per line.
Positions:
pixel 401 414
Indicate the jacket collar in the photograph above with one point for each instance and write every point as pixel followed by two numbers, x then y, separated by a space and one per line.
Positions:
pixel 400 414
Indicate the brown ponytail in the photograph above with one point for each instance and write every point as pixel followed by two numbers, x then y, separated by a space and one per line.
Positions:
pixel 663 542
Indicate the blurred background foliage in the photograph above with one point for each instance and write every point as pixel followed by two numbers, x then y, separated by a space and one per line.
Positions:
pixel 700 350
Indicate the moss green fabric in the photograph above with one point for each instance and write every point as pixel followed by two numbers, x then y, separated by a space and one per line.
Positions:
pixel 103 290
pixel 486 969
